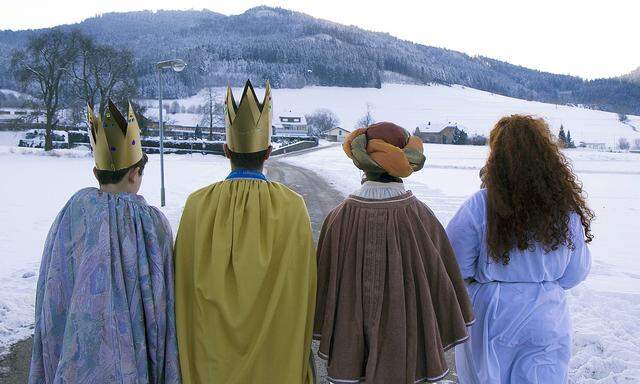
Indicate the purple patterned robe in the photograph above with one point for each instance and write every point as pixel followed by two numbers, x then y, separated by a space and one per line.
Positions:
pixel 105 298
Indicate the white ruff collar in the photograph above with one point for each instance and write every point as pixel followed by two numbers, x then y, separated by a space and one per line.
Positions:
pixel 378 191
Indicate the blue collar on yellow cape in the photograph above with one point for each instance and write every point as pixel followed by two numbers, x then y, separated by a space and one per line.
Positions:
pixel 246 174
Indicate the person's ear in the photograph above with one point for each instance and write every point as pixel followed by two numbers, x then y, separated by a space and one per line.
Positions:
pixel 268 153
pixel 133 175
pixel 227 152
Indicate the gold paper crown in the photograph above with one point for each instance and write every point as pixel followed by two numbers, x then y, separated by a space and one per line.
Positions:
pixel 248 124
pixel 116 143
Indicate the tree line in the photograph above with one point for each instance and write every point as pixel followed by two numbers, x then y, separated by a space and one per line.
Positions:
pixel 70 70
pixel 293 50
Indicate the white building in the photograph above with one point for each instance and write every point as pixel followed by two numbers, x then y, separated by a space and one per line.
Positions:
pixel 335 134
pixel 13 114
pixel 289 124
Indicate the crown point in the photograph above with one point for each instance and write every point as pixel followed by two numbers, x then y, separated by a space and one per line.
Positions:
pixel 247 123
pixel 109 143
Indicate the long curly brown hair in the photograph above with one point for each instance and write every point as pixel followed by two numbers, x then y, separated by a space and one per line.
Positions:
pixel 531 189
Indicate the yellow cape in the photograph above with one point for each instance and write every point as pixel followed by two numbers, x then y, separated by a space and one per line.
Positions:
pixel 245 285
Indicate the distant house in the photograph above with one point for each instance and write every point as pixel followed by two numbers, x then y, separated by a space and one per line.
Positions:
pixel 15 114
pixel 289 124
pixel 336 134
pixel 443 136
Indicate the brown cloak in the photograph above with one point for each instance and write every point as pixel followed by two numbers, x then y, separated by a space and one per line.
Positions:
pixel 390 295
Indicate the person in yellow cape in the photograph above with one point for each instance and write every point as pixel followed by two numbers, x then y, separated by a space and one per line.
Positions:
pixel 245 266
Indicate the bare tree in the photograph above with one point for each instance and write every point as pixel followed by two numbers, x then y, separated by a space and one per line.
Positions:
pixel 212 112
pixel 367 119
pixel 322 120
pixel 622 117
pixel 113 75
pixel 175 107
pixel 623 143
pixel 477 139
pixel 102 72
pixel 81 73
pixel 41 68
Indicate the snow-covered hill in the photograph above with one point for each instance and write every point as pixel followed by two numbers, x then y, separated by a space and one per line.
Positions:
pixel 295 49
pixel 415 105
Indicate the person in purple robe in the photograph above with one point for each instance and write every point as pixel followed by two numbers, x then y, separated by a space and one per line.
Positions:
pixel 521 241
pixel 105 296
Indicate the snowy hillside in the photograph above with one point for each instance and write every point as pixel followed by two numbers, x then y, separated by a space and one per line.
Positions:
pixel 294 49
pixel 416 105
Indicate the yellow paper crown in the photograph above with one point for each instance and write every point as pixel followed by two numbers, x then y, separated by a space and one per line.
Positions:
pixel 248 124
pixel 116 143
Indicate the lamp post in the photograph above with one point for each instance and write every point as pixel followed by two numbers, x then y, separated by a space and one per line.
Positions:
pixel 177 65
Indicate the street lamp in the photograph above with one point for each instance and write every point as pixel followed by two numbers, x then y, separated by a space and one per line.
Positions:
pixel 177 65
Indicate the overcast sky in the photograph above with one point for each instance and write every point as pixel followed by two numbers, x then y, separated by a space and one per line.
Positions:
pixel 586 38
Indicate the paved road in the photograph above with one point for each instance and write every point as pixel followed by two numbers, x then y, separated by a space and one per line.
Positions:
pixel 320 198
pixel 14 368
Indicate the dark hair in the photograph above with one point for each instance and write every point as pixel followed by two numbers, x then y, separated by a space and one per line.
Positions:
pixel 531 189
pixel 253 160
pixel 383 178
pixel 114 177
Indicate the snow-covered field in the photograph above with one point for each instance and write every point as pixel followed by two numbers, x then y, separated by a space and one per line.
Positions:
pixel 10 138
pixel 415 105
pixel 606 308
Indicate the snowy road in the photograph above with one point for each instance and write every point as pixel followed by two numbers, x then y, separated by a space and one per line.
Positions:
pixel 320 198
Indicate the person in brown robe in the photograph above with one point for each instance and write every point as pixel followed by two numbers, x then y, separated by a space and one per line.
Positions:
pixel 390 298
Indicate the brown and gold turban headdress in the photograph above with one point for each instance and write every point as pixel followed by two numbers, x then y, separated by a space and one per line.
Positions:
pixel 384 148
